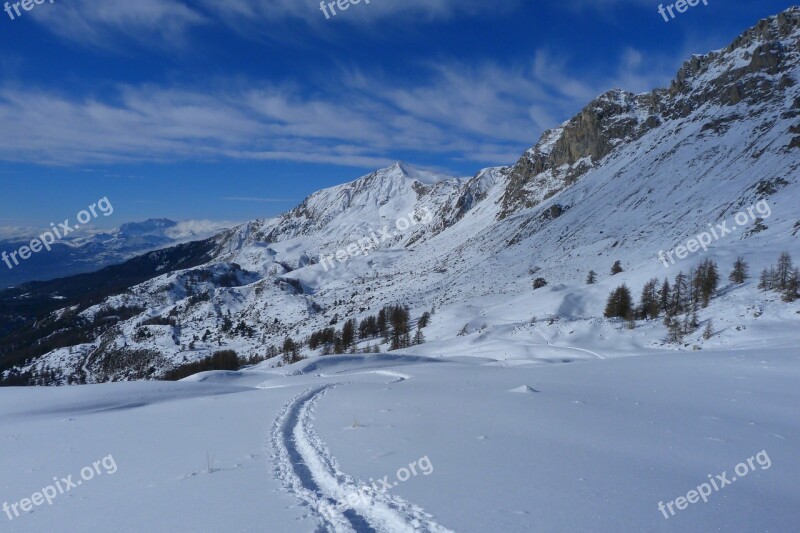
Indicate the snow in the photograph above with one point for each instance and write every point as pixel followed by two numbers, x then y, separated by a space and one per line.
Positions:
pixel 534 411
pixel 596 448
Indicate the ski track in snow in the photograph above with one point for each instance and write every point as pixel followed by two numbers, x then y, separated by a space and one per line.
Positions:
pixel 549 343
pixel 542 335
pixel 399 376
pixel 587 351
pixel 309 472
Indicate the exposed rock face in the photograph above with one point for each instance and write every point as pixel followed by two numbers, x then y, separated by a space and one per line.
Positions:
pixel 756 69
pixel 566 153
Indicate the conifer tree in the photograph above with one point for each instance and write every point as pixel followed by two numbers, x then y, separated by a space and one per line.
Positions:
pixel 790 293
pixel 620 303
pixel 680 294
pixel 424 320
pixel 739 272
pixel 783 271
pixel 665 296
pixel 763 280
pixel 649 306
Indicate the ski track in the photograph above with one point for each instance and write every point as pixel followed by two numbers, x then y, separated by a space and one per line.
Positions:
pixel 309 472
pixel 549 343
pixel 399 377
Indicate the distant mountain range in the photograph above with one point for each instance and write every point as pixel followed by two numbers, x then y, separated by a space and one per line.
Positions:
pixel 628 176
pixel 89 251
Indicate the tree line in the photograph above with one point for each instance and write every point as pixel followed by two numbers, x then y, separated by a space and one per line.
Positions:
pixel 687 293
pixel 391 325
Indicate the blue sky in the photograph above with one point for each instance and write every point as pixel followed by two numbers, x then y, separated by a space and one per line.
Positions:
pixel 238 109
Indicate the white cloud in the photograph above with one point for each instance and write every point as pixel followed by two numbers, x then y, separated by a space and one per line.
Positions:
pixel 150 22
pixel 198 228
pixel 167 23
pixel 487 113
pixel 235 11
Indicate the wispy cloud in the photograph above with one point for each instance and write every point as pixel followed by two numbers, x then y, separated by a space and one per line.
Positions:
pixel 198 228
pixel 111 23
pixel 487 113
pixel 168 23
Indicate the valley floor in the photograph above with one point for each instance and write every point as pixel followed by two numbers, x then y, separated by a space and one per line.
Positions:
pixel 448 444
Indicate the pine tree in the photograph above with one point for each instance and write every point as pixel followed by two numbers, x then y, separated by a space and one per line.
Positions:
pixel 773 278
pixel 399 318
pixel 290 352
pixel 419 338
pixel 705 282
pixel 620 303
pixel 694 322
pixel 783 271
pixel 381 322
pixel 591 279
pixel 424 320
pixel 348 334
pixel 790 293
pixel 338 345
pixel 739 272
pixel 650 306
pixel 617 268
pixel 680 294
pixel 763 280
pixel 665 295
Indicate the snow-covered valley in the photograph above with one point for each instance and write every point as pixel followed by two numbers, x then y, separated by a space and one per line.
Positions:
pixel 587 446
pixel 601 337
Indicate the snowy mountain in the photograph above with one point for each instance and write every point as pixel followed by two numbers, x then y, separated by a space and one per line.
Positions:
pixel 90 250
pixel 413 352
pixel 629 177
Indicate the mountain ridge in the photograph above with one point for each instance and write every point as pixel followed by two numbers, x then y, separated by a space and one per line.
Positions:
pixel 628 176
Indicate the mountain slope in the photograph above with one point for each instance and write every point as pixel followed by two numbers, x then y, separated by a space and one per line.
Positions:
pixel 630 176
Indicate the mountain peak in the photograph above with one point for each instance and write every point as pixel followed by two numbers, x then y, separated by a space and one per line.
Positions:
pixel 426 177
pixel 756 69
